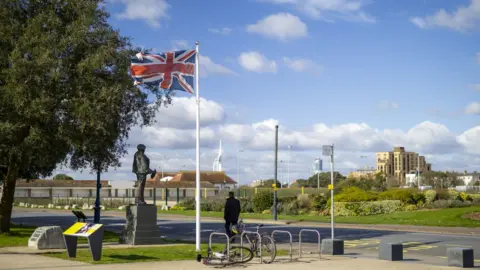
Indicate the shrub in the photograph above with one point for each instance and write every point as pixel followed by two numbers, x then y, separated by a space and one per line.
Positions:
pixel 188 204
pixel 318 202
pixel 366 208
pixel 410 207
pixel 476 201
pixel 177 207
pixel 465 197
pixel 291 208
pixel 453 194
pixel 212 205
pixel 404 195
pixel 246 205
pixel 354 194
pixel 262 200
pixel 266 211
pixel 439 204
pixel 419 198
pixel 430 196
pixel 304 201
pixel 442 195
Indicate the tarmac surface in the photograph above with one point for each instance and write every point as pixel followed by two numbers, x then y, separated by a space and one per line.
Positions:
pixel 431 247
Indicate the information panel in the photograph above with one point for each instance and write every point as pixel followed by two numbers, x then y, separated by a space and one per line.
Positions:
pixel 94 234
pixel 82 229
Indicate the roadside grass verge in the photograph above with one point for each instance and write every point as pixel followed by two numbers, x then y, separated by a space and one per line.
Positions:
pixel 450 217
pixel 20 234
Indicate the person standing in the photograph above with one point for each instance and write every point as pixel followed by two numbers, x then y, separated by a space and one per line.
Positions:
pixel 231 213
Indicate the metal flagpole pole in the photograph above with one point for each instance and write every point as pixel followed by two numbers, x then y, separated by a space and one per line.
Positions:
pixel 197 182
pixel 333 201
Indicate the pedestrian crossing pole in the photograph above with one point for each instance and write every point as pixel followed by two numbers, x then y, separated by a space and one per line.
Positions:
pixel 275 173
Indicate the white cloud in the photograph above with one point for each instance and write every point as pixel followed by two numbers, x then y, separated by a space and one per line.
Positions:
pixel 386 104
pixel 222 31
pixel 207 66
pixel 282 26
pixel 151 11
pixel 257 62
pixel 473 108
pixel 350 10
pixel 464 18
pixel 302 65
pixel 171 141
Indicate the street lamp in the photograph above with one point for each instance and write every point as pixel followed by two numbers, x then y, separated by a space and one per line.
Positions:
pixel 288 165
pixel 317 170
pixel 238 166
pixel 281 173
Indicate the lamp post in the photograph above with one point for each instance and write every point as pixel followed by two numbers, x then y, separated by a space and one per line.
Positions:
pixel 288 165
pixel 281 173
pixel 317 170
pixel 238 165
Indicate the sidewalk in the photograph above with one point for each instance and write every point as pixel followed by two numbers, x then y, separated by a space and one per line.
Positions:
pixel 26 262
pixel 400 228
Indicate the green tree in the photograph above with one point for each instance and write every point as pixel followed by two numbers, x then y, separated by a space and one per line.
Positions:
pixel 62 176
pixel 65 93
pixel 269 182
pixel 325 179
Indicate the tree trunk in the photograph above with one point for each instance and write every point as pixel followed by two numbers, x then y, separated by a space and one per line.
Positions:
pixel 8 194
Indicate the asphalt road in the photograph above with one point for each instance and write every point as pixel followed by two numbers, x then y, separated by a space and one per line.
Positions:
pixel 357 241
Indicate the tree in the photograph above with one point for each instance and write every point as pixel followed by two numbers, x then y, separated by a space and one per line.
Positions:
pixel 325 179
pixel 269 182
pixel 65 93
pixel 62 176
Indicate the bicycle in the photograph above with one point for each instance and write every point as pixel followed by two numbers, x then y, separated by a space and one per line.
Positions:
pixel 267 242
pixel 234 256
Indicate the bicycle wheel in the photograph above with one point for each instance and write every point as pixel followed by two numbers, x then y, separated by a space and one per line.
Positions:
pixel 236 255
pixel 268 248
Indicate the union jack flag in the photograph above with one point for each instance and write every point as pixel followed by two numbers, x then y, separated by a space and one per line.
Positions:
pixel 170 71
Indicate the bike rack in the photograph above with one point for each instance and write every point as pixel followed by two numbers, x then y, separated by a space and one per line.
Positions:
pixel 289 234
pixel 223 234
pixel 259 240
pixel 300 242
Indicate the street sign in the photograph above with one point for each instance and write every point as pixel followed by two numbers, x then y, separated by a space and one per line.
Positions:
pixel 330 187
pixel 327 150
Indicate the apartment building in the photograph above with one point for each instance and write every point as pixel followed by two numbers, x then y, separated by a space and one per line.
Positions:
pixel 368 173
pixel 398 163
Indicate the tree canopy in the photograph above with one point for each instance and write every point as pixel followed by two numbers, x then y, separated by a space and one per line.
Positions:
pixel 62 176
pixel 65 93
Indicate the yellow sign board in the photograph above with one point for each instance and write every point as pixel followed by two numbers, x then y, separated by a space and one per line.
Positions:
pixel 330 187
pixel 275 188
pixel 274 185
pixel 82 229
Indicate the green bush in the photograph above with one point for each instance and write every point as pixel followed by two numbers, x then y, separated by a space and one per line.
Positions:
pixel 246 205
pixel 465 197
pixel 442 194
pixel 262 201
pixel 187 204
pixel 453 195
pixel 318 202
pixel 404 195
pixel 291 208
pixel 304 201
pixel 440 204
pixel 410 207
pixel 354 194
pixel 419 198
pixel 430 196
pixel 366 208
pixel 212 205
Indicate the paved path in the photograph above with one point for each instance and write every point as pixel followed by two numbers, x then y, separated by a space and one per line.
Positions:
pixel 37 262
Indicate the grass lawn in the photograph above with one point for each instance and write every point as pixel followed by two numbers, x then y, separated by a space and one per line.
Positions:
pixel 19 236
pixel 144 254
pixel 451 217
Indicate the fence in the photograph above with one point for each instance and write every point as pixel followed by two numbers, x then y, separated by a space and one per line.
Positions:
pixel 161 196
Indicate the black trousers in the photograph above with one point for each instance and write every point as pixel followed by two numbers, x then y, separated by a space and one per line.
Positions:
pixel 228 223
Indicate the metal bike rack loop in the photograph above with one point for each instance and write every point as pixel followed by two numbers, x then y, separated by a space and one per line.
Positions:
pixel 223 234
pixel 259 243
pixel 289 234
pixel 300 242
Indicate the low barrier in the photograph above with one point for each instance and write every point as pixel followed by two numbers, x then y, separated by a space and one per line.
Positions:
pixel 291 241
pixel 300 242
pixel 259 243
pixel 222 234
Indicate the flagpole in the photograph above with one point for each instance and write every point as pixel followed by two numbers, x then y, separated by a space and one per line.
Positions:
pixel 197 182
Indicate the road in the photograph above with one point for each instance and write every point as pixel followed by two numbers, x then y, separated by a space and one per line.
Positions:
pixel 357 241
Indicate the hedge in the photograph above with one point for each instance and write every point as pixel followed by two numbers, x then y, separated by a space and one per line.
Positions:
pixel 348 209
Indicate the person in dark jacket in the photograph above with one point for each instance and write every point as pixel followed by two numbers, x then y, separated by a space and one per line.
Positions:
pixel 231 212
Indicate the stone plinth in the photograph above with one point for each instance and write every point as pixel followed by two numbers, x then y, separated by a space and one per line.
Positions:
pixel 332 247
pixel 48 237
pixel 141 225
pixel 390 251
pixel 461 257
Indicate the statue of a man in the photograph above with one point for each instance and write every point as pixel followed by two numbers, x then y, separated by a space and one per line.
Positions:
pixel 141 167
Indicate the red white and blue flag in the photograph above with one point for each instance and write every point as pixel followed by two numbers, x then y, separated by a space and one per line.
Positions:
pixel 170 71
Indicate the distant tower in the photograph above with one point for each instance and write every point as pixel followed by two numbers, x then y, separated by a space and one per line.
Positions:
pixel 217 163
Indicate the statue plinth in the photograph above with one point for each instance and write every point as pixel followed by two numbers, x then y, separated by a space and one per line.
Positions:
pixel 141 225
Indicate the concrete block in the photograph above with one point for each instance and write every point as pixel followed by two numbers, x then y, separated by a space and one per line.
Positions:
pixel 121 207
pixel 85 206
pixel 390 251
pixel 332 247
pixel 48 237
pixel 21 204
pixel 27 205
pixel 51 205
pixel 102 207
pixel 58 207
pixel 33 206
pixel 141 225
pixel 461 257
pixel 41 206
pixel 74 206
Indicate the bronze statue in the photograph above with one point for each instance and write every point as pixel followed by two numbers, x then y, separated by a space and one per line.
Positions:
pixel 141 167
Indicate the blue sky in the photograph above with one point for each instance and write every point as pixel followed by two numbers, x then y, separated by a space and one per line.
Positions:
pixel 389 64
